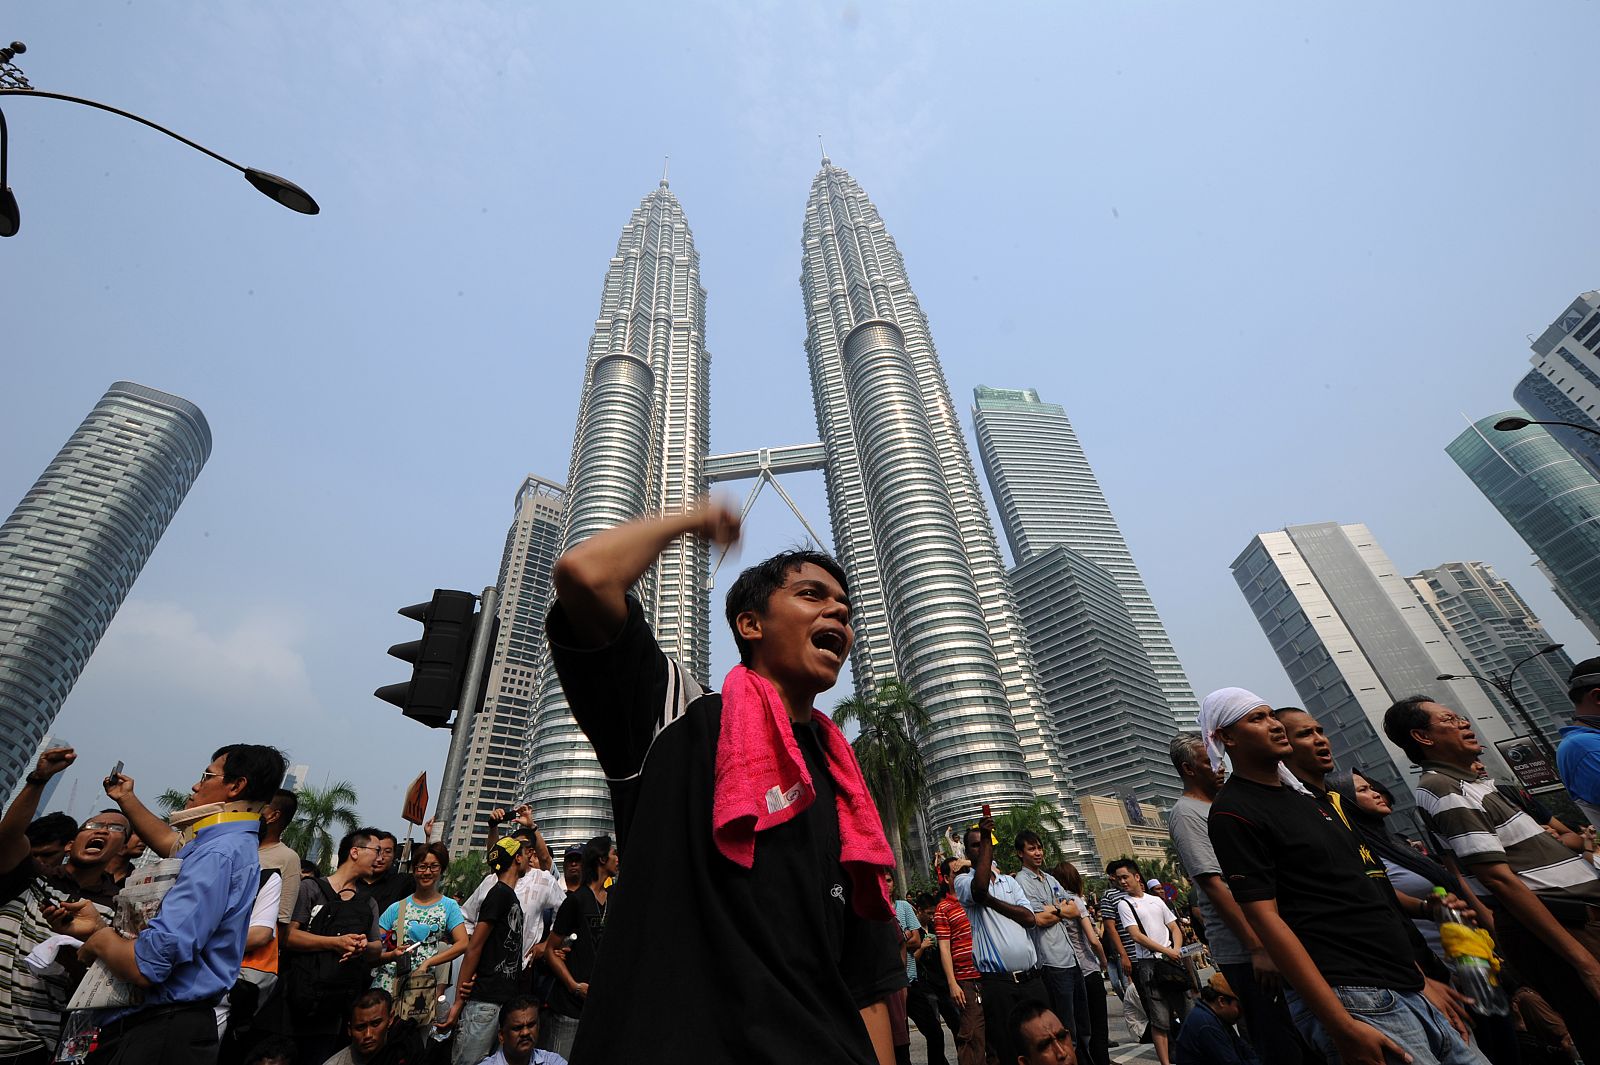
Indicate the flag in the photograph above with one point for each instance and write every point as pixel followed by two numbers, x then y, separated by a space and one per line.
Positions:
pixel 416 808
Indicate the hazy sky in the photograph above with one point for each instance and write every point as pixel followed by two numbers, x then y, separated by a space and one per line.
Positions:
pixel 1266 255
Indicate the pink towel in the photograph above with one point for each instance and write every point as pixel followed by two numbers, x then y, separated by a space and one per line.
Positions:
pixel 762 780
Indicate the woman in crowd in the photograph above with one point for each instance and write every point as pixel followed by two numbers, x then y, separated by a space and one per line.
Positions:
pixel 1091 960
pixel 1412 873
pixel 434 932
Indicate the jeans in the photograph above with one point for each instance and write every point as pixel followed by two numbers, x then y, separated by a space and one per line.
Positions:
pixel 477 1030
pixel 1269 1029
pixel 1404 1016
pixel 1070 1003
pixel 557 1036
pixel 1094 990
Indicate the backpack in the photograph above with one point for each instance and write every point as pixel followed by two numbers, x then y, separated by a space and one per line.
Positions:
pixel 318 983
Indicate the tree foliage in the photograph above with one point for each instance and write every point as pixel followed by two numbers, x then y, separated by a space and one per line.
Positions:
pixel 1040 817
pixel 322 810
pixel 892 723
pixel 465 874
pixel 172 800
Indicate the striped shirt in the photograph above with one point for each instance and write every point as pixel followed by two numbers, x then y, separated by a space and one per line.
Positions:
pixel 1480 826
pixel 1108 912
pixel 951 925
pixel 999 944
pixel 31 1005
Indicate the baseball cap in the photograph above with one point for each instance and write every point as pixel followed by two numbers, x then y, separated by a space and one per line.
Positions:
pixel 503 854
pixel 1220 985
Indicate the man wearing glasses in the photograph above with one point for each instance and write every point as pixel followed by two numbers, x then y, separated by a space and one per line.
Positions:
pixel 1208 1036
pixel 1544 893
pixel 188 956
pixel 31 1004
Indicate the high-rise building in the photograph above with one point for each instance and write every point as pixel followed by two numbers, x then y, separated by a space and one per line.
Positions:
pixel 1494 632
pixel 1105 704
pixel 491 771
pixel 1354 639
pixel 1564 384
pixel 1125 828
pixel 75 544
pixel 640 446
pixel 1048 496
pixel 929 596
pixel 1550 498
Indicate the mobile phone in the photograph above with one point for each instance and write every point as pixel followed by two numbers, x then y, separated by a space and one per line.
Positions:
pixel 116 771
pixel 986 812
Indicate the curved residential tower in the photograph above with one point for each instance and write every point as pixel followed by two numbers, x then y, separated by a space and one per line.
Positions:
pixel 928 592
pixel 640 446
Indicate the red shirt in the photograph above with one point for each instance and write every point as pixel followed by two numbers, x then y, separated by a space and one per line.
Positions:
pixel 951 925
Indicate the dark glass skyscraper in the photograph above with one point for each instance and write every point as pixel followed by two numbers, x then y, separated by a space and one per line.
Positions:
pixel 1550 498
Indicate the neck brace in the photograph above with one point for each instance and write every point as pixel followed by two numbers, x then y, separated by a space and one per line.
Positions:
pixel 190 822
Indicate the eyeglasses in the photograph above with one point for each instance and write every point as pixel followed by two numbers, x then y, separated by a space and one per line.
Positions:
pixel 430 867
pixel 1452 721
pixel 208 774
pixel 104 826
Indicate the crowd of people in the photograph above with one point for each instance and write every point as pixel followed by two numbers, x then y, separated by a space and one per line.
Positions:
pixel 758 919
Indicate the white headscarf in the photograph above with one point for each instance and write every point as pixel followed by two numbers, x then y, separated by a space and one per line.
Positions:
pixel 1228 706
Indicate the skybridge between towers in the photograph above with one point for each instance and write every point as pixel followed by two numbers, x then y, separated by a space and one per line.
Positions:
pixel 765 465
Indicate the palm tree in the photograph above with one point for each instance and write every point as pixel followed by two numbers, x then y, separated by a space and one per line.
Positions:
pixel 172 800
pixel 321 809
pixel 891 722
pixel 1041 818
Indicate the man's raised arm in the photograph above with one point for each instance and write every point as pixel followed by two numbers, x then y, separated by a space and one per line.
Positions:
pixel 592 579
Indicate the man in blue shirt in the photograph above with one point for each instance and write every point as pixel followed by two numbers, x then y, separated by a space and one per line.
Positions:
pixel 1578 757
pixel 188 956
pixel 1002 917
pixel 1207 1036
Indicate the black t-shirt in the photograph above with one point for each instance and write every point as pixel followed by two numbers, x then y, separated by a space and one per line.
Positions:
pixel 705 961
pixel 500 964
pixel 390 888
pixel 1275 843
pixel 583 914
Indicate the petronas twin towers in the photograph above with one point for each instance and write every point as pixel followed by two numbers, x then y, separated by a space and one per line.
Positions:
pixel 932 606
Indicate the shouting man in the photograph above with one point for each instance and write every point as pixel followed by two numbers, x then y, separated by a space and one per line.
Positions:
pixel 750 838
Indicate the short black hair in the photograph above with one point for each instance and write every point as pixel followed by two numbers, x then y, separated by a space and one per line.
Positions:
pixel 1587 666
pixel 259 766
pixel 309 866
pixel 52 828
pixel 595 852
pixel 1025 837
pixel 1280 711
pixel 286 803
pixel 361 837
pixel 924 900
pixel 1399 721
pixel 372 996
pixel 755 586
pixel 1019 1019
pixel 517 1004
pixel 384 833
pixel 1124 863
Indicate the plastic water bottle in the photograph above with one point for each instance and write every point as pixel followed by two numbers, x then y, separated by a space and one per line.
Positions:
pixel 441 1010
pixel 1470 951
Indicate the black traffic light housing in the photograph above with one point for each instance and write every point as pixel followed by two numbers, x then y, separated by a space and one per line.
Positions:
pixel 439 658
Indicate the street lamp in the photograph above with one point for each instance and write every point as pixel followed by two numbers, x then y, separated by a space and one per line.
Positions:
pixel 14 83
pixel 1513 423
pixel 1504 685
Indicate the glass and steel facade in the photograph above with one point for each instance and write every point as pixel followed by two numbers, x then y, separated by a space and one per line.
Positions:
pixel 1048 496
pixel 1354 639
pixel 643 432
pixel 1493 630
pixel 492 773
pixel 1550 498
pixel 904 501
pixel 76 542
pixel 1106 705
pixel 1564 384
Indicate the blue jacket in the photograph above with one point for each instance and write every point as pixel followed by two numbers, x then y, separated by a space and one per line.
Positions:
pixel 1205 1040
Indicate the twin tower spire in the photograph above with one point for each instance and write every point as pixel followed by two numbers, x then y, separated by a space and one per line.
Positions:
pixel 930 599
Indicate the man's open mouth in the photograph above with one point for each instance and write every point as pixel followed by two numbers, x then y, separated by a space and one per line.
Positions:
pixel 94 848
pixel 831 641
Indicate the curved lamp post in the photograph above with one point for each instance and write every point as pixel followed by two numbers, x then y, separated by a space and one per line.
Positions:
pixel 1513 423
pixel 13 83
pixel 1503 685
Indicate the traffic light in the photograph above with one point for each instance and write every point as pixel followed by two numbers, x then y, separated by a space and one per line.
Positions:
pixel 439 658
